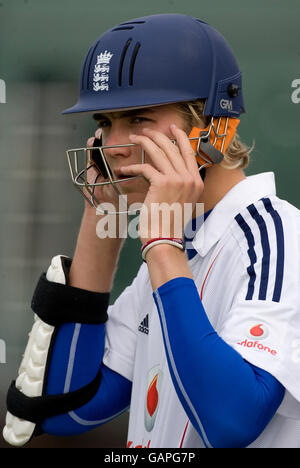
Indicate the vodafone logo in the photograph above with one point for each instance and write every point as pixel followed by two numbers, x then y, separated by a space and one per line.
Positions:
pixel 258 331
pixel 154 383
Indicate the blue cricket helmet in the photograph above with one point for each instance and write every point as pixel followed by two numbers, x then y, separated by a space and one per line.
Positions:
pixel 157 60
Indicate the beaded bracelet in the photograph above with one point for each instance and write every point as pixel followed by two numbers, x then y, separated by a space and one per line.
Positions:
pixel 161 240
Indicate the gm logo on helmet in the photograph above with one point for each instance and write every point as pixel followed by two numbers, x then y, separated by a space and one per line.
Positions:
pixel 258 331
pixel 154 382
pixel 226 104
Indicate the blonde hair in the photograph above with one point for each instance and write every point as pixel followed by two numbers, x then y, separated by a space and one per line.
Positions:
pixel 237 154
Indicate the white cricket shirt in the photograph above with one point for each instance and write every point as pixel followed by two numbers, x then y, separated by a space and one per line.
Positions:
pixel 247 272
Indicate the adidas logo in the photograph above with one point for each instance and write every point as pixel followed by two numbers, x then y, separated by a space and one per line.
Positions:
pixel 144 325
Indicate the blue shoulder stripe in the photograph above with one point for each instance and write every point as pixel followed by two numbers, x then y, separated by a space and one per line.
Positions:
pixel 280 248
pixel 266 250
pixel 252 255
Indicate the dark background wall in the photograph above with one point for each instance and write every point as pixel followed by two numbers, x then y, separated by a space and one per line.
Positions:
pixel 42 46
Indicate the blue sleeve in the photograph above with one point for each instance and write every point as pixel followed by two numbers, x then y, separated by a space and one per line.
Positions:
pixel 75 360
pixel 228 400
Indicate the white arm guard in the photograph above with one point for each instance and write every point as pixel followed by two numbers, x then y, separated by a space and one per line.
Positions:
pixel 31 373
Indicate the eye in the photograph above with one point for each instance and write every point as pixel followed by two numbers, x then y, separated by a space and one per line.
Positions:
pixel 139 120
pixel 103 123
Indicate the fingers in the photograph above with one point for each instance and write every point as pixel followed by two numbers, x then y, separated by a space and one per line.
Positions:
pixel 169 155
pixel 185 148
pixel 90 141
pixel 155 148
pixel 166 156
pixel 146 170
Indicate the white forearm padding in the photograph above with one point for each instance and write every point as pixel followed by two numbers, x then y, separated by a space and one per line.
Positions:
pixel 32 369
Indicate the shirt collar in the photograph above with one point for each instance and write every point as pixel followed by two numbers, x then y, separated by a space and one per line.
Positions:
pixel 190 231
pixel 244 193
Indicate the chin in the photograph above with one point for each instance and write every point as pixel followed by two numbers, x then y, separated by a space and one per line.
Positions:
pixel 134 197
pixel 135 194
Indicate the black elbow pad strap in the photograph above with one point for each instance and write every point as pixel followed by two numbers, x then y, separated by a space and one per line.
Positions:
pixel 37 409
pixel 57 303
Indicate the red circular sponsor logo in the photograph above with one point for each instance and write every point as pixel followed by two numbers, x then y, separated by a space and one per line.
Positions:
pixel 154 382
pixel 152 396
pixel 258 331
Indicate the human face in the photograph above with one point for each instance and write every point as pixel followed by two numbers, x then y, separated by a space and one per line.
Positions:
pixel 116 128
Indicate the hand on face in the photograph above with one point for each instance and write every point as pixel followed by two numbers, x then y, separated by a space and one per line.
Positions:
pixel 173 176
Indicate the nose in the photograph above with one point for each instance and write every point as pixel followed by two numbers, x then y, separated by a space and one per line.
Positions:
pixel 116 136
